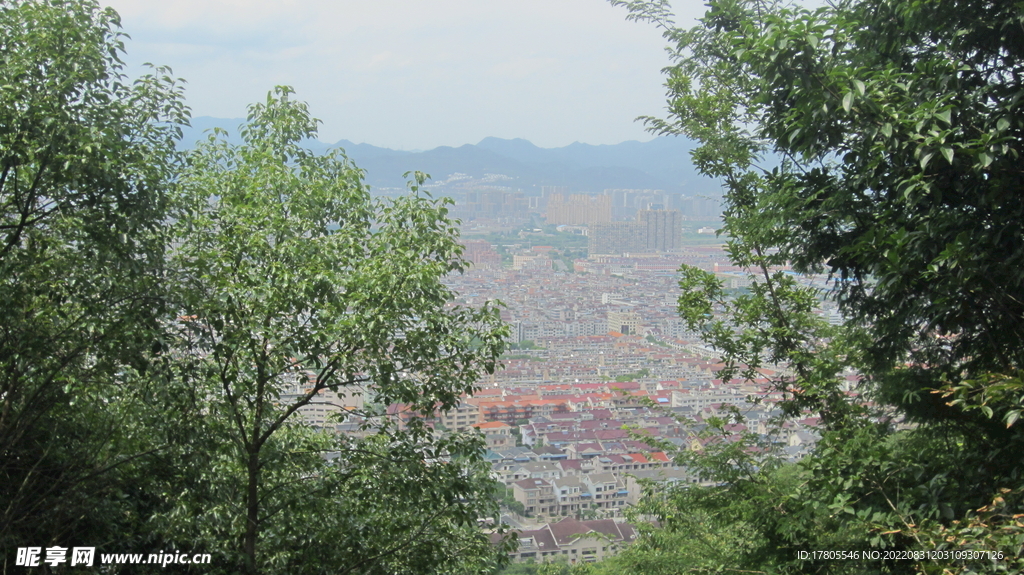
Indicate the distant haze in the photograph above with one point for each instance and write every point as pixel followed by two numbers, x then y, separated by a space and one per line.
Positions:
pixel 413 75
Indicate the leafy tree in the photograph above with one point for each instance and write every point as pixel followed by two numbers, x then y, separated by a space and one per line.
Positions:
pixel 559 566
pixel 288 274
pixel 643 373
pixel 877 141
pixel 85 160
pixel 505 497
pixel 525 344
pixel 141 387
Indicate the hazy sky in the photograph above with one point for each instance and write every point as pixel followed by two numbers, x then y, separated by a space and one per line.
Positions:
pixel 415 74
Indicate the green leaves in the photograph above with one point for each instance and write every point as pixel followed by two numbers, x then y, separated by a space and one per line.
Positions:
pixel 989 394
pixel 894 129
pixel 164 320
pixel 300 282
pixel 869 172
pixel 701 290
pixel 85 159
pixel 947 152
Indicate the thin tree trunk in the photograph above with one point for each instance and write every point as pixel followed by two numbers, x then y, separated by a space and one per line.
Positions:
pixel 252 505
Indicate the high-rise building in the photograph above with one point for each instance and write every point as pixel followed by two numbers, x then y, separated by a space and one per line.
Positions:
pixel 700 207
pixel 481 253
pixel 578 209
pixel 626 203
pixel 617 237
pixel 652 231
pixel 664 229
pixel 490 203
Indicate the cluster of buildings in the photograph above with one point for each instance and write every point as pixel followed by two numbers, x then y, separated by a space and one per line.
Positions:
pixel 603 361
pixel 627 202
pixel 603 383
pixel 598 297
pixel 594 459
pixel 492 204
pixel 626 221
pixel 495 203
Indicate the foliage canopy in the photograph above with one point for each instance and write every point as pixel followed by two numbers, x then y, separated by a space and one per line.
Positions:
pixel 878 141
pixel 164 316
pixel 86 157
pixel 293 281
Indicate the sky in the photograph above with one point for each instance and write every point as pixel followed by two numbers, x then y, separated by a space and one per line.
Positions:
pixel 416 74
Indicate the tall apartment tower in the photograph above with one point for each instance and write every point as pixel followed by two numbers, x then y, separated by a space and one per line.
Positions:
pixel 663 229
pixel 699 207
pixel 652 231
pixel 548 191
pixel 578 209
pixel 613 238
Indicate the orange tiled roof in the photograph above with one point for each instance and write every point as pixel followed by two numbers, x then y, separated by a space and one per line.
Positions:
pixel 491 425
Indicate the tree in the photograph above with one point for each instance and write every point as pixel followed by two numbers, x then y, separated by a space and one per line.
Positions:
pixel 506 499
pixel 153 312
pixel 287 274
pixel 85 160
pixel 899 126
pixel 878 141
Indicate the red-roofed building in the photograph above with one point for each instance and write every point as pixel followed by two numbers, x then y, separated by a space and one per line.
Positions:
pixel 514 409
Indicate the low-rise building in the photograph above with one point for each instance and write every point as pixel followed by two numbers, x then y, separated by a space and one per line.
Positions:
pixel 536 495
pixel 498 435
pixel 574 541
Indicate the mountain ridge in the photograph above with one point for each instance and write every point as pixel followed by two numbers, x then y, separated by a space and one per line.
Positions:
pixel 660 163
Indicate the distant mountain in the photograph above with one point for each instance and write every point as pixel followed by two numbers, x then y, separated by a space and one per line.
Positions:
pixel 662 163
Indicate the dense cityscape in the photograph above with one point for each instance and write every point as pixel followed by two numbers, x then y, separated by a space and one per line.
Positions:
pixel 599 360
